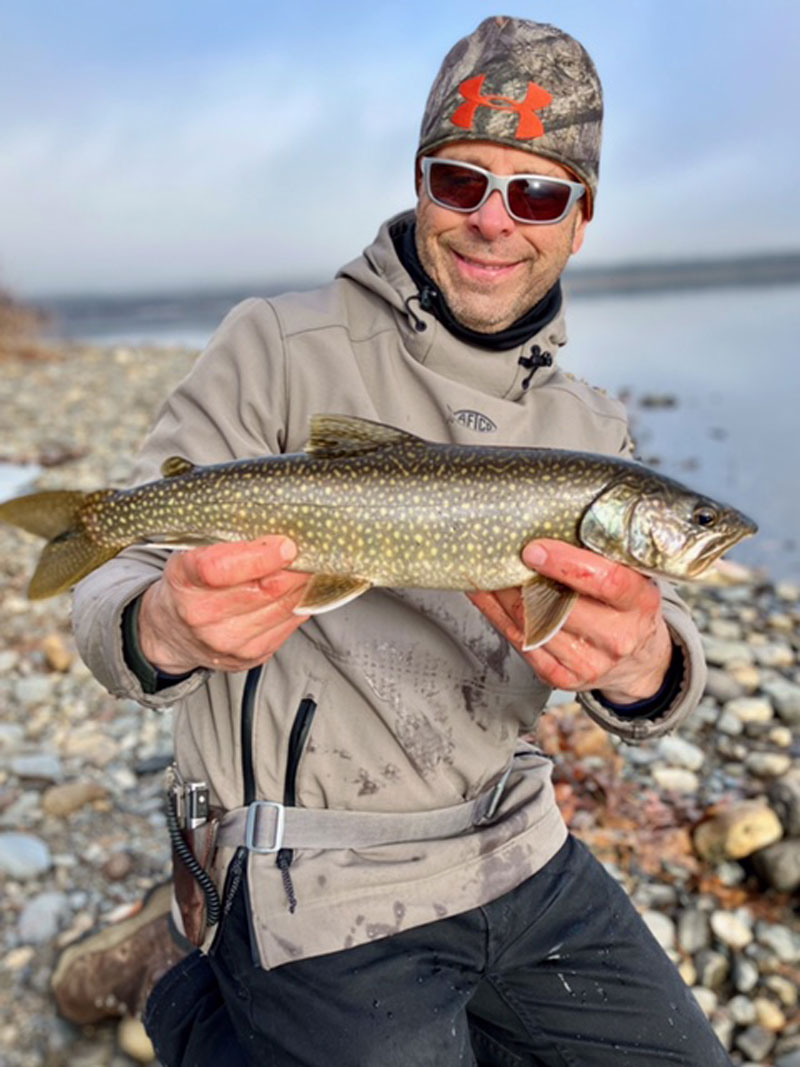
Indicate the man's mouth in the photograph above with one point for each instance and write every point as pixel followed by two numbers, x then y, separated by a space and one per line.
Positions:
pixel 483 269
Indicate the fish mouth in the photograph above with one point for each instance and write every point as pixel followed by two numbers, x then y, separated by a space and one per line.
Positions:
pixel 716 549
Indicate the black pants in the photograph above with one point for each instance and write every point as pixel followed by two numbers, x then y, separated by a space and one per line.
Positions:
pixel 560 971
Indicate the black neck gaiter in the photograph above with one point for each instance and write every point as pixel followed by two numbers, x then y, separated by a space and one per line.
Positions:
pixel 430 299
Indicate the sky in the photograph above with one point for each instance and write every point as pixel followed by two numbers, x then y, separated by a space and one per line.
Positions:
pixel 169 144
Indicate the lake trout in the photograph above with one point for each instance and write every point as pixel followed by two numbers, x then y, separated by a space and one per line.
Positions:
pixel 370 505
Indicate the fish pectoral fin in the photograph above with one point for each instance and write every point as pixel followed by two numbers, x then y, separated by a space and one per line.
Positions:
pixel 328 591
pixel 545 605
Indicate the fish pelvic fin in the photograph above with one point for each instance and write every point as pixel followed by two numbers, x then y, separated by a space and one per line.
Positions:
pixel 70 553
pixel 328 591
pixel 545 605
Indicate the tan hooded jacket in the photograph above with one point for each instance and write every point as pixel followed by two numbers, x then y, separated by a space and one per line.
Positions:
pixel 401 700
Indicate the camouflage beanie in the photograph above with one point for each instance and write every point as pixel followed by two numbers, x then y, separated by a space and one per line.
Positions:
pixel 522 84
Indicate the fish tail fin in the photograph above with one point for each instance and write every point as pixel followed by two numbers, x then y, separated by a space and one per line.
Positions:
pixel 70 553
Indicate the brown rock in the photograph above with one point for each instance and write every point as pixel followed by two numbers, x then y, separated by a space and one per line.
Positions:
pixel 70 797
pixel 737 832
pixel 58 656
pixel 118 866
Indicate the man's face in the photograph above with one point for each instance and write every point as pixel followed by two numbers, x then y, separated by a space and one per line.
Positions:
pixel 490 268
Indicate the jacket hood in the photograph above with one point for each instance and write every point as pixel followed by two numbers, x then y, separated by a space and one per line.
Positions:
pixel 508 374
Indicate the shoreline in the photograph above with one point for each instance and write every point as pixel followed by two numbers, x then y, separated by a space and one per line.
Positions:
pixel 100 843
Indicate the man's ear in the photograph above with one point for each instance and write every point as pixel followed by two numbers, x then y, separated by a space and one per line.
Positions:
pixel 580 231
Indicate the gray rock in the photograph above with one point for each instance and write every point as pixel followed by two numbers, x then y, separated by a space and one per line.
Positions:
pixel 730 724
pixel 693 930
pixel 676 779
pixel 655 895
pixel 751 709
pixel 730 872
pixel 745 974
pixel 712 968
pixel 661 927
pixel 8 660
pixel 785 697
pixel 23 856
pixel 30 692
pixel 723 1026
pixel 780 940
pixel 11 736
pixel 681 753
pixel 784 798
pixel 775 654
pixel 742 1011
pixel 722 686
pixel 728 629
pixel 722 653
pixel 43 917
pixel 787 1052
pixel 731 929
pixel 706 998
pixel 755 1042
pixel 779 865
pixel 768 764
pixel 41 767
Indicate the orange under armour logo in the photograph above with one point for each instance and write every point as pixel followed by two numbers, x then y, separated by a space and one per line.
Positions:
pixel 529 124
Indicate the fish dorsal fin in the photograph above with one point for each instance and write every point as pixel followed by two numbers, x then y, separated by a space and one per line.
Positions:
pixel 546 605
pixel 175 466
pixel 346 435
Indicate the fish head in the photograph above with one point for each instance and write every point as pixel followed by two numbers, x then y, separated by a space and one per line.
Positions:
pixel 661 527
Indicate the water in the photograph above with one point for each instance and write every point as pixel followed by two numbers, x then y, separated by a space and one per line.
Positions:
pixel 727 355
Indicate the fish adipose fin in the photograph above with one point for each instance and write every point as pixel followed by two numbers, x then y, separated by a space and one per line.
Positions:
pixel 545 605
pixel 175 466
pixel 346 435
pixel 328 591
pixel 70 554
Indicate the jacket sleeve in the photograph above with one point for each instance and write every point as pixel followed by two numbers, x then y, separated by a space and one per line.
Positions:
pixel 684 633
pixel 686 636
pixel 228 407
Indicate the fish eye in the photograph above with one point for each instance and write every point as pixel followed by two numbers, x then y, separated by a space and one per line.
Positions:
pixel 704 515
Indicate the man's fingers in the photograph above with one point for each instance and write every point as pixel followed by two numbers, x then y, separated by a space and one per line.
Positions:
pixel 590 574
pixel 228 564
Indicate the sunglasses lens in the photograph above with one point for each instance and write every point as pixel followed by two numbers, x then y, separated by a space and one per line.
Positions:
pixel 456 187
pixel 537 199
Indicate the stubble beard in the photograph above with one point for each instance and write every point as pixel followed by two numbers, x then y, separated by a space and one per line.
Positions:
pixel 489 309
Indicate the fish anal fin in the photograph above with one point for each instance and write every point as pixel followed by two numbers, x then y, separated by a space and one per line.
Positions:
pixel 328 591
pixel 346 435
pixel 174 466
pixel 546 605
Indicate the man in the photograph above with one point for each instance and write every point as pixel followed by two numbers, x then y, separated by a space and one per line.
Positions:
pixel 504 942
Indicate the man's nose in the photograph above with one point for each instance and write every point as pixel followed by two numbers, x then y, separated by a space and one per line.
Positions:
pixel 491 219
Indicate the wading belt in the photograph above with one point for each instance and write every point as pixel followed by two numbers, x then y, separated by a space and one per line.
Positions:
pixel 267 826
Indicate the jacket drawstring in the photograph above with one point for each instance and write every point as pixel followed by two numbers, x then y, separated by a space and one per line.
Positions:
pixel 419 325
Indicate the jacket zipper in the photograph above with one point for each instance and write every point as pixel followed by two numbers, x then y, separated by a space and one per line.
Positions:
pixel 297 742
pixel 247 726
pixel 236 869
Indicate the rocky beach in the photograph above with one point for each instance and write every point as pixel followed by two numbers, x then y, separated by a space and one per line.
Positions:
pixel 702 828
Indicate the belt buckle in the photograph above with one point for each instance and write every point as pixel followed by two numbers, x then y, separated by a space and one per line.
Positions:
pixel 251 826
pixel 495 796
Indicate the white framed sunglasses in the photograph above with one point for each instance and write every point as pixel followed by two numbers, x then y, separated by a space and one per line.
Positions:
pixel 530 198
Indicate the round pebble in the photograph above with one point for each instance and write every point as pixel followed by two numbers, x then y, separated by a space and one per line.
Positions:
pixel 23 856
pixel 731 930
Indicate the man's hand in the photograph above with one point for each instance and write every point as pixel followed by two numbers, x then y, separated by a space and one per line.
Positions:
pixel 228 606
pixel 615 638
